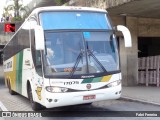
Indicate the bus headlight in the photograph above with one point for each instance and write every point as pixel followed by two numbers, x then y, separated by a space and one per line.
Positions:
pixel 115 83
pixel 54 89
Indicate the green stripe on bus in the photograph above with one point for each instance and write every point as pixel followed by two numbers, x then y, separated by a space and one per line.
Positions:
pixel 17 71
pixel 19 63
pixel 97 79
pixel 92 80
pixel 88 80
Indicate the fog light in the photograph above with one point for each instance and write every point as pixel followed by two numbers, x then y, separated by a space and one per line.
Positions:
pixel 50 100
pixel 55 100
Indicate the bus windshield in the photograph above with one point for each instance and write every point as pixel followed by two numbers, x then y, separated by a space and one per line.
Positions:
pixel 82 44
pixel 74 20
pixel 76 53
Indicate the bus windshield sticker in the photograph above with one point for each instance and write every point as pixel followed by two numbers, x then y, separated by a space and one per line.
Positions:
pixel 86 35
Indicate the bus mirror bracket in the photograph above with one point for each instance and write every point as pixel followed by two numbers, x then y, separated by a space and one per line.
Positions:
pixel 127 35
pixel 39 38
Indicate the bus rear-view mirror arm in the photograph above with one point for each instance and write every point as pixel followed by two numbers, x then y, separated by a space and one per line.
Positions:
pixel 126 33
pixel 39 38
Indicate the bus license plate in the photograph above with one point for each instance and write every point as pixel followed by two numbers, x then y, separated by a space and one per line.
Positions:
pixel 89 97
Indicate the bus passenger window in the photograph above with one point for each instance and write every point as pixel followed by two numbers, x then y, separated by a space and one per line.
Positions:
pixel 38 58
pixel 38 63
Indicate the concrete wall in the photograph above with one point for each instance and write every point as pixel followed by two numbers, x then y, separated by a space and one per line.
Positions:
pixel 104 4
pixel 148 27
pixel 132 53
pixel 89 3
pixel 128 56
pixel 4 36
pixel 139 27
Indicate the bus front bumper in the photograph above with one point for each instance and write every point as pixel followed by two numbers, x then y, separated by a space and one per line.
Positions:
pixel 72 98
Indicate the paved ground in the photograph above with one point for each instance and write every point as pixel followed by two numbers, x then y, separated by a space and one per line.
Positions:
pixel 14 102
pixel 136 93
pixel 147 94
pixel 20 103
pixel 142 93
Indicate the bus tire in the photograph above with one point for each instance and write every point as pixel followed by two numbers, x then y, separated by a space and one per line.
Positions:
pixel 10 90
pixel 35 106
pixel 87 103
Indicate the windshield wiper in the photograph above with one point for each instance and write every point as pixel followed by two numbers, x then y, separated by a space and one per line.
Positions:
pixel 76 63
pixel 94 57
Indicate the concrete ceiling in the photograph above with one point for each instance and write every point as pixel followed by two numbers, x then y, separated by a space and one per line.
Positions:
pixel 138 8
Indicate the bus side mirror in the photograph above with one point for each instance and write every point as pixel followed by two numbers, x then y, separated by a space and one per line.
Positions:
pixel 39 38
pixel 126 34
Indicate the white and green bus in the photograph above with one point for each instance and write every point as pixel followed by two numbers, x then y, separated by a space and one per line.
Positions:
pixel 64 56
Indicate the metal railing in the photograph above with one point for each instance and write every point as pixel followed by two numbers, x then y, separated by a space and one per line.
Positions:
pixel 149 70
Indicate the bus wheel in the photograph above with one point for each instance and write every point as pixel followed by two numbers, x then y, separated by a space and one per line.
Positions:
pixel 10 90
pixel 35 106
pixel 87 103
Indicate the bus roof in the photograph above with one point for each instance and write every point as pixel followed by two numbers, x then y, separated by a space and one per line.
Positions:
pixel 66 8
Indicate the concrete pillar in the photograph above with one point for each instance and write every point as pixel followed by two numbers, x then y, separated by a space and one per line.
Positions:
pixel 132 53
pixel 123 61
pixel 128 56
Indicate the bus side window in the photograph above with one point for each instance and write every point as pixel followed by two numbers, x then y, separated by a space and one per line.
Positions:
pixel 38 64
pixel 38 58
